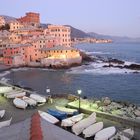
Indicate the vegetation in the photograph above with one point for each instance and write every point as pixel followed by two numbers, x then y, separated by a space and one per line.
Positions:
pixel 5 27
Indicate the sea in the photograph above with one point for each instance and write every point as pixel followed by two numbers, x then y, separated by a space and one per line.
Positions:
pixel 93 79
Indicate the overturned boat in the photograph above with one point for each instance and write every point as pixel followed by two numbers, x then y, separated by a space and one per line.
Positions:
pixel 2 112
pixel 39 99
pixel 16 95
pixel 29 101
pixel 19 103
pixel 48 117
pixel 5 123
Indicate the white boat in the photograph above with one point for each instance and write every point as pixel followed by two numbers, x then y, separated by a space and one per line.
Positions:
pixel 68 111
pixel 16 95
pixel 5 123
pixel 19 103
pixel 29 101
pixel 72 120
pixel 2 112
pixel 38 98
pixel 4 89
pixel 105 133
pixel 83 124
pixel 48 117
pixel 93 129
pixel 11 92
pixel 126 134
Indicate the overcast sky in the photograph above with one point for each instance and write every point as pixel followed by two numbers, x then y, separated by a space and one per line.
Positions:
pixel 111 17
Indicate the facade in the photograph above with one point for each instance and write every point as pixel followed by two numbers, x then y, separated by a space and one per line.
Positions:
pixel 63 33
pixel 14 25
pixel 30 19
pixel 59 55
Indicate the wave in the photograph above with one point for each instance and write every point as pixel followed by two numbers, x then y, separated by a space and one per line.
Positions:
pixel 98 69
pixel 4 73
pixel 97 52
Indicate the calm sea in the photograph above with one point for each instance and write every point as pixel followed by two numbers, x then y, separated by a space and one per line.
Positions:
pixel 94 80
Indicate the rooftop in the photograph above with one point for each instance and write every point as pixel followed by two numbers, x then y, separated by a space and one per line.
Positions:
pixel 58 48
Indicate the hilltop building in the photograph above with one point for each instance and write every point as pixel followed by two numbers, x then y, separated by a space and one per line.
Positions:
pixel 30 18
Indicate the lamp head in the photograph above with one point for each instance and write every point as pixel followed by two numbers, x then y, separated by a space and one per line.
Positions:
pixel 79 92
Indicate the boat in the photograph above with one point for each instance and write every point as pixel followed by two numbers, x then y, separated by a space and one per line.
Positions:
pixel 5 123
pixel 4 89
pixel 48 117
pixel 29 101
pixel 16 95
pixel 58 114
pixel 72 120
pixel 83 124
pixel 68 111
pixel 93 129
pixel 39 99
pixel 126 134
pixel 11 92
pixel 19 103
pixel 105 133
pixel 2 112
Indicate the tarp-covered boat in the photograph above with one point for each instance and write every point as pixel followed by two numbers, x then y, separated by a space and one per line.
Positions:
pixel 58 114
pixel 38 98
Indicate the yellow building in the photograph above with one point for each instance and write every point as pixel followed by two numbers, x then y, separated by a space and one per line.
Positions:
pixel 59 55
pixel 61 32
pixel 14 25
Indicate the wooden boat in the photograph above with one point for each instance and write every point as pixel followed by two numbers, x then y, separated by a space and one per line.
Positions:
pixel 5 123
pixel 2 112
pixel 39 99
pixel 4 89
pixel 93 129
pixel 19 103
pixel 83 124
pixel 126 134
pixel 105 133
pixel 29 101
pixel 16 95
pixel 48 117
pixel 58 114
pixel 72 120
pixel 68 111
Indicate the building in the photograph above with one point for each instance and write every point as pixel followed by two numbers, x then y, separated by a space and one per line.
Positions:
pixel 31 19
pixel 63 33
pixel 14 25
pixel 59 55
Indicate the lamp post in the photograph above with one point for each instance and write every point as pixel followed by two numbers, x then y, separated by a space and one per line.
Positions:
pixel 79 94
pixel 48 91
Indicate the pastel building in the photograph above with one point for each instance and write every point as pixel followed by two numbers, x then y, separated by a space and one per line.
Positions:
pixel 30 18
pixel 63 33
pixel 60 55
pixel 14 25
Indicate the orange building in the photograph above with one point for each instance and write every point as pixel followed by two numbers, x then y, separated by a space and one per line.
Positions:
pixel 63 33
pixel 30 18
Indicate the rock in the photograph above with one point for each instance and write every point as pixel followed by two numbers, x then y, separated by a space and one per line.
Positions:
pixel 138 118
pixel 137 113
pixel 116 61
pixel 106 101
pixel 133 66
pixel 86 57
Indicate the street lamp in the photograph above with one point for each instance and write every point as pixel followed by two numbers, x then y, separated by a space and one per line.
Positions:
pixel 79 94
pixel 48 91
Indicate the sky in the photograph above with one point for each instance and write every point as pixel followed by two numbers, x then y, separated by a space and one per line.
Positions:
pixel 109 17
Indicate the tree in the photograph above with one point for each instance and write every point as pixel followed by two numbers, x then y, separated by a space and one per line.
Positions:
pixel 5 27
